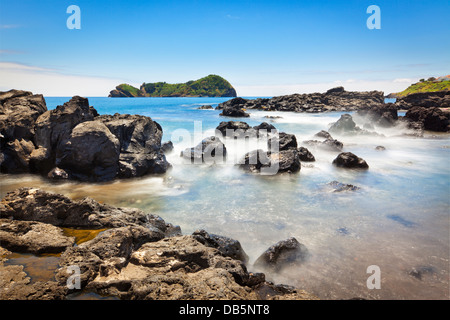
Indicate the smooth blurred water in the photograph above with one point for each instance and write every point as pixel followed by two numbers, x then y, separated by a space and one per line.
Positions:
pixel 397 220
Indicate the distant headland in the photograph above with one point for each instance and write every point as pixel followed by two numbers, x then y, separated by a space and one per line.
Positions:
pixel 209 86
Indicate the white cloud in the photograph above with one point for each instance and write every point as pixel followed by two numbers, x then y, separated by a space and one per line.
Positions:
pixel 50 82
pixel 387 86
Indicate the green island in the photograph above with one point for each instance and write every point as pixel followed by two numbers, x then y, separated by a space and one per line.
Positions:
pixel 430 85
pixel 209 86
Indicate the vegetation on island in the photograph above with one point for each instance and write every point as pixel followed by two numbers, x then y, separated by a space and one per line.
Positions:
pixel 430 85
pixel 210 86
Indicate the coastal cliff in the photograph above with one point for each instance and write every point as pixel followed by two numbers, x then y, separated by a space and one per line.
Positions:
pixel 210 86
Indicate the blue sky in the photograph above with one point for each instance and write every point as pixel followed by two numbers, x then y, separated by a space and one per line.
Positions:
pixel 261 47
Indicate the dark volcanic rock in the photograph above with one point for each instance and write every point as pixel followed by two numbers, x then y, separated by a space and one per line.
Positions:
pixel 138 257
pixel 29 204
pixel 91 152
pixel 209 150
pixel 282 141
pixel 73 137
pixel 350 160
pixel 141 152
pixel 270 163
pixel 339 186
pixel 323 134
pixel 167 147
pixel 305 155
pixel 440 99
pixel 433 119
pixel 227 246
pixel 233 108
pixel 328 144
pixel 345 124
pixel 232 129
pixel 282 254
pixel 205 107
pixel 18 113
pixel 382 116
pixel 336 99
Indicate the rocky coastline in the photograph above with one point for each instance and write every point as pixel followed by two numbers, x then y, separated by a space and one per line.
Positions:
pixel 131 254
pixel 135 256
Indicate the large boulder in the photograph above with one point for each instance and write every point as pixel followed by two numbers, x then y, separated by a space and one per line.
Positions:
pixel 18 113
pixel 141 151
pixel 305 155
pixel 227 246
pixel 345 124
pixel 271 163
pixel 284 253
pixel 232 129
pixel 209 150
pixel 282 141
pixel 350 160
pixel 91 153
pixel 53 129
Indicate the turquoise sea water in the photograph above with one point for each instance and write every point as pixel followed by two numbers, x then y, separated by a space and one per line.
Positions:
pixel 397 220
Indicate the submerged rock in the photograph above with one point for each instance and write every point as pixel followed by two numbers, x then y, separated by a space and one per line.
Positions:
pixel 305 155
pixel 339 186
pixel 271 163
pixel 282 254
pixel 350 160
pixel 209 150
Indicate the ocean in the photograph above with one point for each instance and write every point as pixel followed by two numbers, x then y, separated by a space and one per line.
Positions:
pixel 398 219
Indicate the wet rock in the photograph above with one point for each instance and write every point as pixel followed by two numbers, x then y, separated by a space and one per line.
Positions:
pixel 340 187
pixel 328 144
pixel 380 148
pixel 54 127
pixel 323 134
pixel 167 147
pixel 18 113
pixel 227 246
pixel 33 237
pixel 433 119
pixel 282 254
pixel 176 268
pixel 282 141
pixel 350 160
pixel 383 115
pixel 91 153
pixel 209 150
pixel 205 107
pixel 439 99
pixel 233 108
pixel 345 124
pixel 29 204
pixel 141 152
pixel 305 155
pixel 232 129
pixel 265 128
pixel 270 163
pixel 333 100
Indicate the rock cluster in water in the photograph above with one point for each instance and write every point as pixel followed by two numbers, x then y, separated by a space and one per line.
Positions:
pixel 74 142
pixel 138 256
